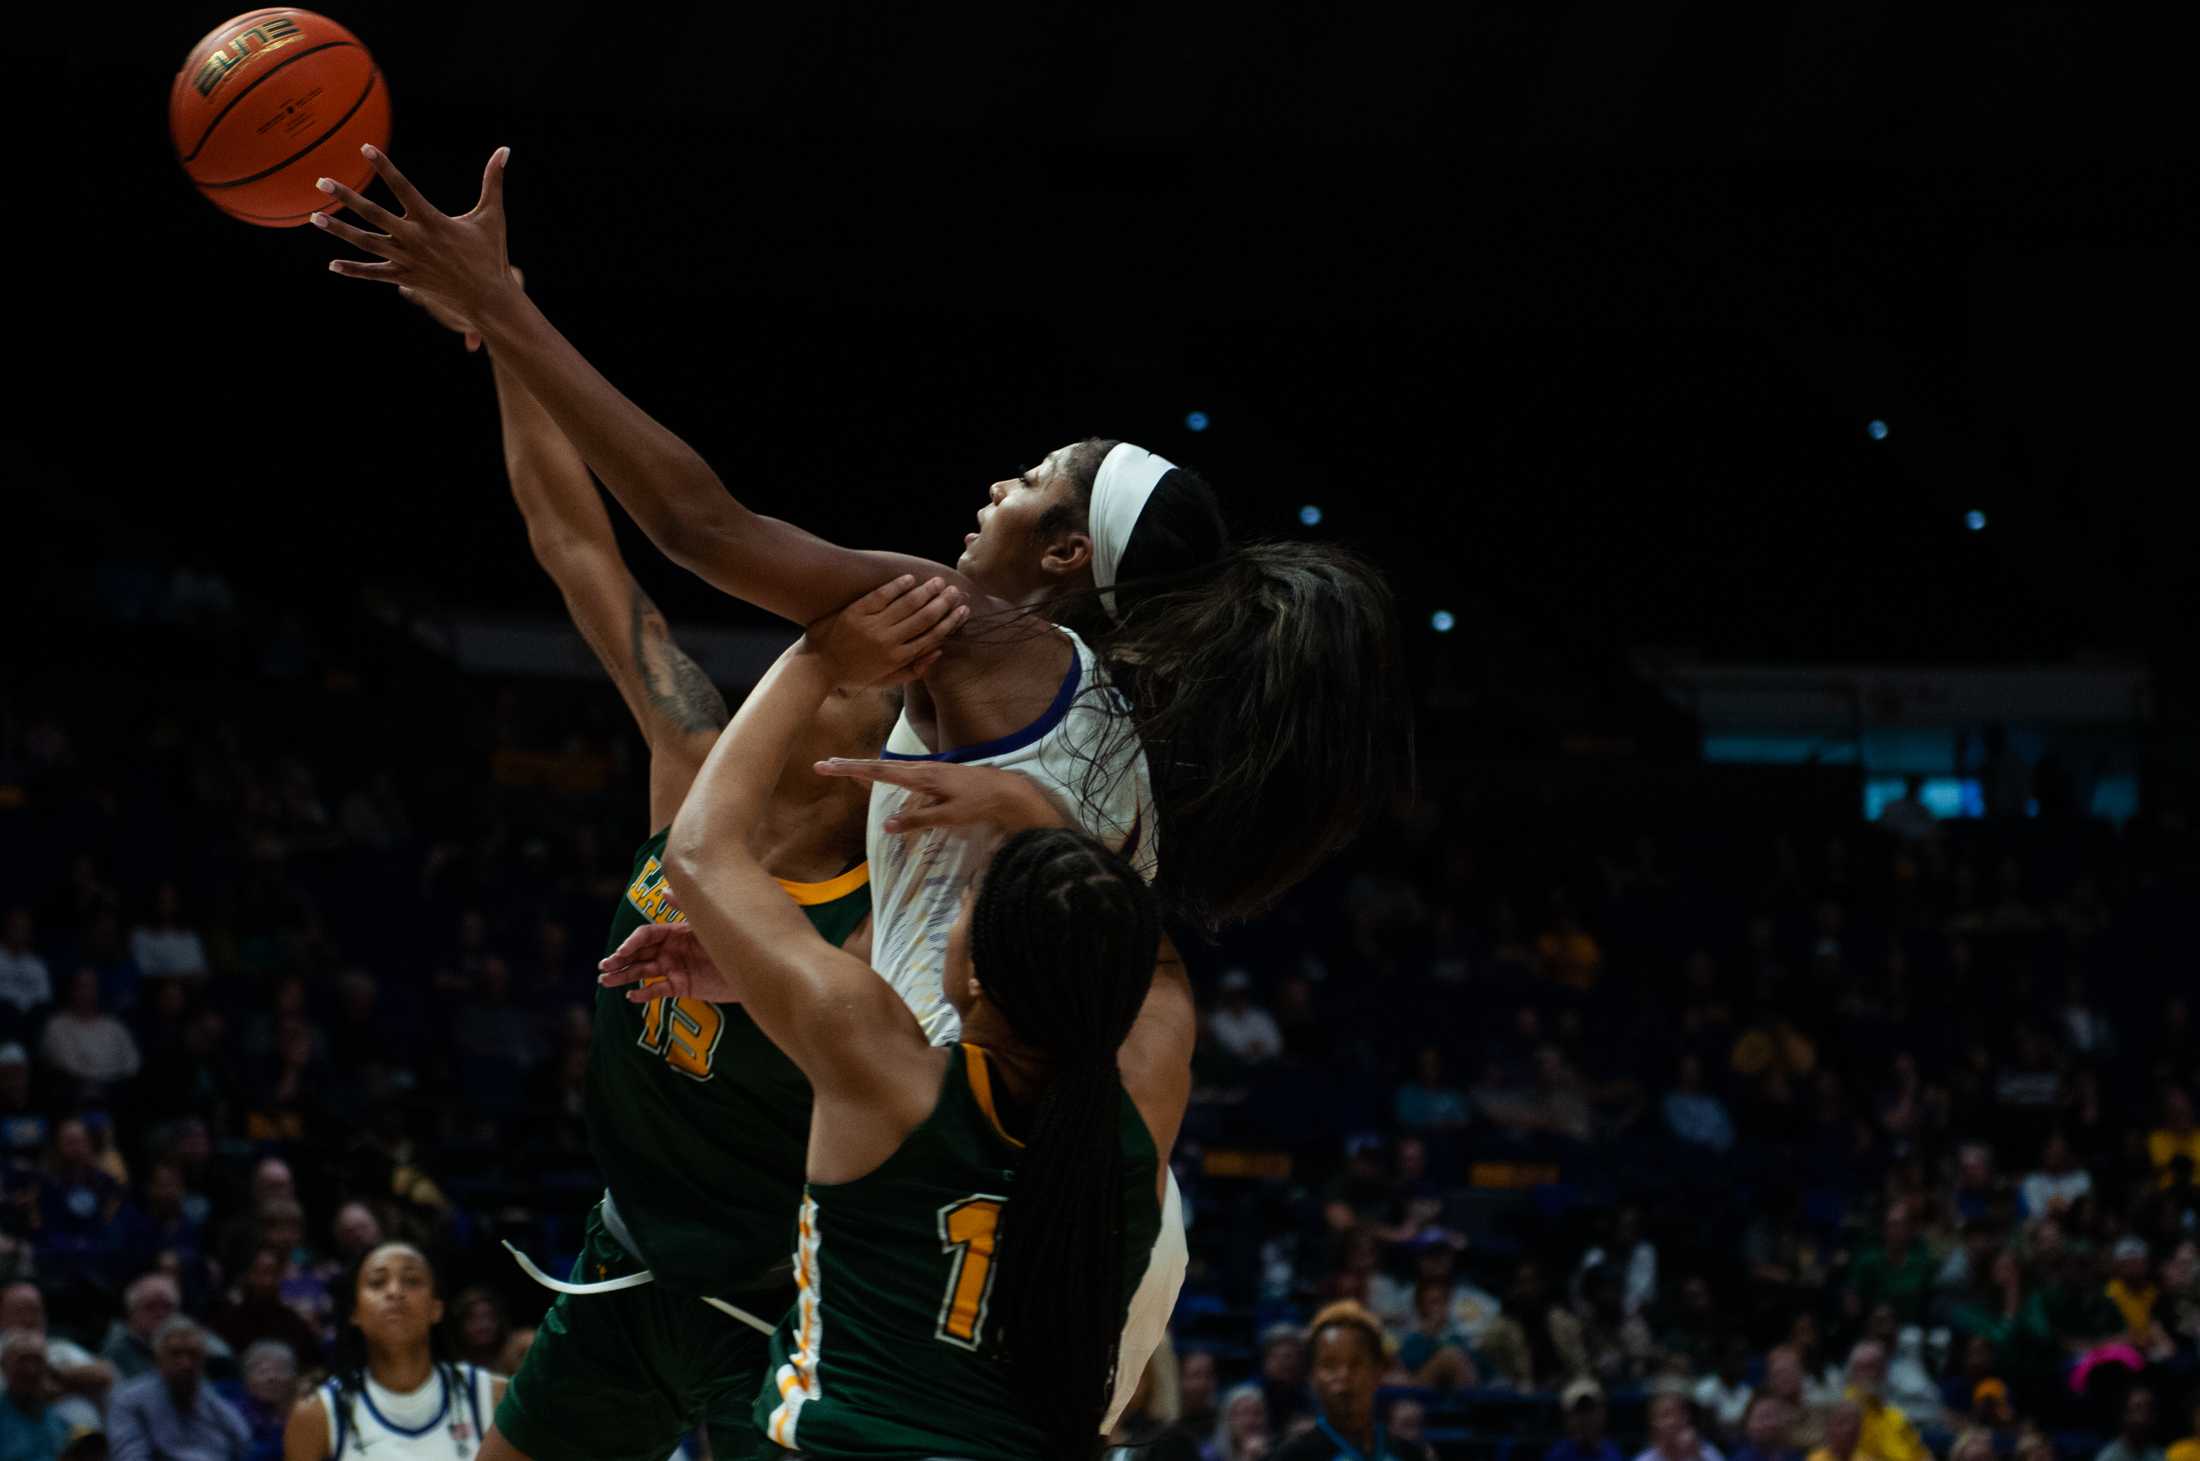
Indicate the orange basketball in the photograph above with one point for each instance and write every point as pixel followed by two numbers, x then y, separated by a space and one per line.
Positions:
pixel 270 103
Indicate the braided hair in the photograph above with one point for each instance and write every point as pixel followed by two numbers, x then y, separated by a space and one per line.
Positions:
pixel 349 1366
pixel 1062 939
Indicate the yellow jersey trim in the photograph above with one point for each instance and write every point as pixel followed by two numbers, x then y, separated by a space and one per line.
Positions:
pixel 810 895
pixel 981 1087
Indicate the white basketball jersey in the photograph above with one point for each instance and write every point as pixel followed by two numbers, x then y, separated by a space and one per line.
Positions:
pixel 441 1421
pixel 1083 752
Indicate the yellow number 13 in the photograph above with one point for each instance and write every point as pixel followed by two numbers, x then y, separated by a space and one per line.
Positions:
pixel 966 1231
pixel 685 1032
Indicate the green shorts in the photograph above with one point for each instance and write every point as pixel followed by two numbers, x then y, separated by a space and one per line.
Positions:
pixel 623 1376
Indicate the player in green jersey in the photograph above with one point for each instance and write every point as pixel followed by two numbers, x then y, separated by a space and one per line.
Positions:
pixel 697 1121
pixel 976 1215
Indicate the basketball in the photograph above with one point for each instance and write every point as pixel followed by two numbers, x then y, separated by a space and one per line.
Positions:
pixel 271 102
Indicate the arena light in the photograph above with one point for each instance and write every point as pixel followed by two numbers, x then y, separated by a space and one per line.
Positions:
pixel 1441 621
pixel 1197 421
pixel 1310 515
pixel 1876 429
pixel 1975 520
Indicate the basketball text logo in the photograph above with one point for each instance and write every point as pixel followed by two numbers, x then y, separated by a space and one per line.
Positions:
pixel 268 35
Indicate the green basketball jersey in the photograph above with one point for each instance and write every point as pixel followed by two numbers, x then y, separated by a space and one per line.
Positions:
pixel 700 1125
pixel 881 1354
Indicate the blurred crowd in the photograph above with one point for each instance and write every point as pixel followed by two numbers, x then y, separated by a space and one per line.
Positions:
pixel 1743 1133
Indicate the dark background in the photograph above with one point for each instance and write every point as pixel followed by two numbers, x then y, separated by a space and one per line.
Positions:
pixel 1572 314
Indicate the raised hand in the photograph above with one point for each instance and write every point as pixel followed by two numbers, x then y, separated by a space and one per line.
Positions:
pixel 891 635
pixel 665 961
pixel 459 261
pixel 947 795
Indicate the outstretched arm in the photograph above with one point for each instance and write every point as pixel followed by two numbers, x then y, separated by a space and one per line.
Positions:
pixel 840 1023
pixel 669 489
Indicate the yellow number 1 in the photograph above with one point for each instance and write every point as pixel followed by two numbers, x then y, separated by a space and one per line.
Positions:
pixel 966 1231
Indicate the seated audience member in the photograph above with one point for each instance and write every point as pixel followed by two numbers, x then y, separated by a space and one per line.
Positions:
pixel 1428 1102
pixel 164 946
pixel 1597 1338
pixel 1581 1406
pixel 1247 1033
pixel 2176 1137
pixel 2132 1290
pixel 1991 1411
pixel 1349 1358
pixel 1407 1420
pixel 1844 1435
pixel 1197 1391
pixel 149 1302
pixel 2135 1439
pixel 1788 1379
pixel 1888 1434
pixel 80 1208
pixel 1766 1431
pixel 254 1310
pixel 264 1393
pixel 1430 1351
pixel 1242 1431
pixel 1972 1445
pixel 91 1048
pixel 1899 1270
pixel 31 1429
pixel 1435 1260
pixel 2058 1184
pixel 26 985
pixel 1283 1375
pixel 173 1414
pixel 24 1128
pixel 1725 1394
pixel 84 1378
pixel 1673 1434
pixel 1694 1115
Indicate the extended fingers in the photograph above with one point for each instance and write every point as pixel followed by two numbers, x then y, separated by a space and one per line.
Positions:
pixel 360 204
pixel 893 773
pixel 407 195
pixel 353 269
pixel 886 593
pixel 931 625
pixel 380 244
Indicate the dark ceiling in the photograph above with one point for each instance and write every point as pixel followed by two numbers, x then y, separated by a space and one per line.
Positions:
pixel 1573 314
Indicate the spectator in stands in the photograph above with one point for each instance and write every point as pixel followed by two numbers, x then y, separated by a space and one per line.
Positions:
pixel 173 1414
pixel 2058 1184
pixel 254 1309
pixel 1598 1337
pixel 1349 1361
pixel 30 1428
pixel 1243 1433
pixel 265 1392
pixel 1845 1435
pixel 1581 1404
pixel 1436 1260
pixel 78 1208
pixel 1888 1434
pixel 24 1129
pixel 2176 1137
pixel 1407 1421
pixel 84 1378
pixel 1673 1435
pixel 2131 1288
pixel 1566 953
pixel 1972 1445
pixel 1767 1431
pixel 26 986
pixel 1692 1334
pixel 1992 1415
pixel 1427 1103
pixel 164 946
pixel 90 1047
pixel 1693 1114
pixel 1363 1194
pixel 1972 1197
pixel 479 1327
pixel 1520 1345
pixel 1431 1353
pixel 1899 1271
pixel 2014 1322
pixel 149 1302
pixel 2135 1441
pixel 1283 1375
pixel 1247 1033
pixel 1197 1389
pixel 1724 1395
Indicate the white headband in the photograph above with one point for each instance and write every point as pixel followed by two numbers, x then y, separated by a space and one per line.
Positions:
pixel 1127 478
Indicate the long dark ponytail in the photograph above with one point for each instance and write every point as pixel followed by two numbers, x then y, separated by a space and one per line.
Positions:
pixel 1267 685
pixel 1062 942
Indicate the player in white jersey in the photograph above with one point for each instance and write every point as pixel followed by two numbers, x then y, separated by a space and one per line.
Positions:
pixel 392 1398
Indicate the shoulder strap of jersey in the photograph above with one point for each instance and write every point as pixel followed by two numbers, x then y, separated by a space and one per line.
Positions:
pixel 472 1374
pixel 339 1415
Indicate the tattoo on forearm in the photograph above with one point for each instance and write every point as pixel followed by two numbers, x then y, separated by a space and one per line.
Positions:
pixel 676 685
